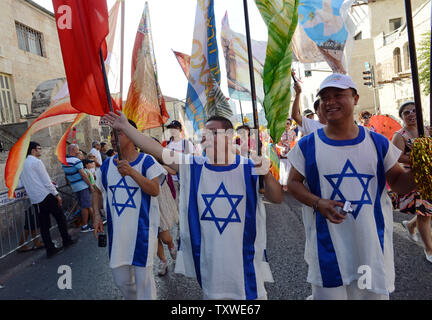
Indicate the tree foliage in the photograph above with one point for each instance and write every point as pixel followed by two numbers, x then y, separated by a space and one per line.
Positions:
pixel 424 62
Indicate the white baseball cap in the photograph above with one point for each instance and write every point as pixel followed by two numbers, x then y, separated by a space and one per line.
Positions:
pixel 337 80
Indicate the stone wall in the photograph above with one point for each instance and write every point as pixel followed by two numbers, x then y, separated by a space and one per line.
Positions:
pixel 26 69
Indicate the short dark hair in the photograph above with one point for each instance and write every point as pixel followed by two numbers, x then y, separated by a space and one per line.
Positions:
pixel 365 114
pixel 87 161
pixel 103 144
pixel 110 153
pixel 307 112
pixel 244 126
pixel 175 125
pixel 32 145
pixel 227 124
pixel 316 104
pixel 403 105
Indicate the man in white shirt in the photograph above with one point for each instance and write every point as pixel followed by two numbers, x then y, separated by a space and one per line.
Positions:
pixel 128 190
pixel 305 124
pixel 96 146
pixel 222 216
pixel 350 172
pixel 44 197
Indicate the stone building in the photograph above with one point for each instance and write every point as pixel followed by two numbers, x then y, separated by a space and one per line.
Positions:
pixel 381 41
pixel 393 72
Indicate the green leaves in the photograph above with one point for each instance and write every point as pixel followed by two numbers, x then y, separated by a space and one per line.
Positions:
pixel 281 18
pixel 424 62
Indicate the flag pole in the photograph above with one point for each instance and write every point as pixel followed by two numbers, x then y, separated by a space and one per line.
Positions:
pixel 241 111
pixel 414 68
pixel 111 109
pixel 123 6
pixel 253 91
pixel 430 78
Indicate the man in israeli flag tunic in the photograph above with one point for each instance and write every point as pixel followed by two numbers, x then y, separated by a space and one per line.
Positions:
pixel 342 163
pixel 222 217
pixel 129 188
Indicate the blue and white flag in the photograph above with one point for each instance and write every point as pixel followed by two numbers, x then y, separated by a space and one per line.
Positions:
pixel 323 33
pixel 132 215
pixel 223 229
pixel 204 64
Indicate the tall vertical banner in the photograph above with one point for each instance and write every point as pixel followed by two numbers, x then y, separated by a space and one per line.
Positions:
pixel 280 17
pixel 237 65
pixel 82 28
pixel 204 65
pixel 323 33
pixel 145 104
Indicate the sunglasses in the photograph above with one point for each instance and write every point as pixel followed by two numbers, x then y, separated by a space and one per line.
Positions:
pixel 408 112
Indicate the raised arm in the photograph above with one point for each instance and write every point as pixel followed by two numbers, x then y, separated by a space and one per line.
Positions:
pixel 295 112
pixel 145 143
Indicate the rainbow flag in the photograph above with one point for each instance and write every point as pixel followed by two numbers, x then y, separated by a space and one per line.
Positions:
pixel 17 155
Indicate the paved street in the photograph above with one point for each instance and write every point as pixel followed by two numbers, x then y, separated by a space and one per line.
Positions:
pixel 32 276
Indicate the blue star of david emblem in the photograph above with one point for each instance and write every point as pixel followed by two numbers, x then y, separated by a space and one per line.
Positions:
pixel 349 171
pixel 208 214
pixel 130 203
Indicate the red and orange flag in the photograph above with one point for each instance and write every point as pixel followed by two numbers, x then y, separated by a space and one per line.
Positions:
pixel 145 104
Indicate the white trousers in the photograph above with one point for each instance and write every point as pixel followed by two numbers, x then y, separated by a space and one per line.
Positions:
pixel 350 292
pixel 135 283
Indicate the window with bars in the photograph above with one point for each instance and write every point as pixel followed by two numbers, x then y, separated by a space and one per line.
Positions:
pixel 29 40
pixel 6 106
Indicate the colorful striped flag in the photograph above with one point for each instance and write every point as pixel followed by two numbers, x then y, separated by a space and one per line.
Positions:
pixel 217 104
pixel 204 65
pixel 14 165
pixel 145 103
pixel 281 19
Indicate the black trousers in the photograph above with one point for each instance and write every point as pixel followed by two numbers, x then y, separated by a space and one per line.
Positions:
pixel 50 206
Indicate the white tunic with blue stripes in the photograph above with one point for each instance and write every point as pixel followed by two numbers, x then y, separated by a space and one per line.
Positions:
pixel 348 170
pixel 132 215
pixel 222 229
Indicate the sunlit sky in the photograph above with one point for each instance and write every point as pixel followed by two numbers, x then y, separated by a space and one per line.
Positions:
pixel 172 23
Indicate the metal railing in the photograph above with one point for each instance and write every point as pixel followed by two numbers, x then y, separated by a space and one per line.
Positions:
pixel 18 227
